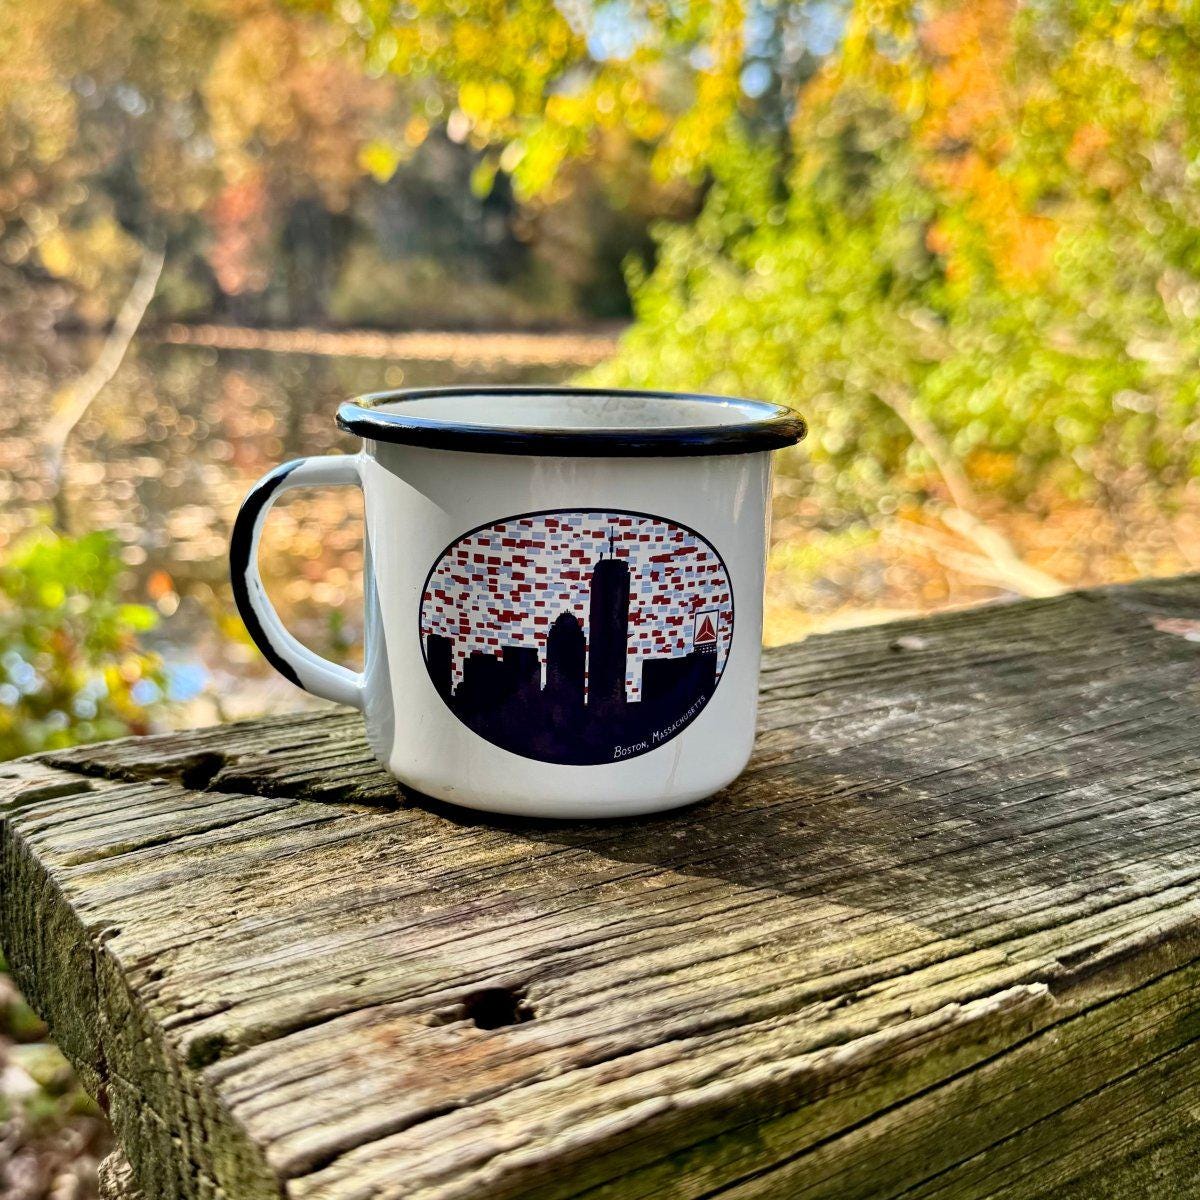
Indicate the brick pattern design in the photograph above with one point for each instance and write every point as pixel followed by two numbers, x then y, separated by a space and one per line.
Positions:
pixel 505 585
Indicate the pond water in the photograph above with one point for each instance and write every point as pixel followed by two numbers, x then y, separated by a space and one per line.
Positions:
pixel 164 457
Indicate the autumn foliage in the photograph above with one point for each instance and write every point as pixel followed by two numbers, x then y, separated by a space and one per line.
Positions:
pixel 979 245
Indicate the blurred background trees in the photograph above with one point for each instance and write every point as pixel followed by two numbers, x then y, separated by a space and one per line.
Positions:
pixel 962 235
pixel 291 182
pixel 979 249
pixel 70 649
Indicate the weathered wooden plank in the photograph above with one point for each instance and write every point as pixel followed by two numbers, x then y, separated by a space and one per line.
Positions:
pixel 940 941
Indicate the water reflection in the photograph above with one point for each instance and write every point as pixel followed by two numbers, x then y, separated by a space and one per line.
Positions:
pixel 164 457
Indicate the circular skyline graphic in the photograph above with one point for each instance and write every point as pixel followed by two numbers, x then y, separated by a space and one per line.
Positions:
pixel 577 636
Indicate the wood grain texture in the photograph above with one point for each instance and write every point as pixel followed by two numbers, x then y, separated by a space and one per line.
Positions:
pixel 941 942
pixel 116 1179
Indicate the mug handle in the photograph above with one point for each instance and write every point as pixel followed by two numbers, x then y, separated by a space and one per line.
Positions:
pixel 290 657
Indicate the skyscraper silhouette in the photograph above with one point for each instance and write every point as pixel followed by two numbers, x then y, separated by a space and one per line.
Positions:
pixel 667 681
pixel 483 679
pixel 522 670
pixel 608 631
pixel 439 655
pixel 566 661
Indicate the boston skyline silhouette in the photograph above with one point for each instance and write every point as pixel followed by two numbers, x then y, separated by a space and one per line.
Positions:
pixel 582 715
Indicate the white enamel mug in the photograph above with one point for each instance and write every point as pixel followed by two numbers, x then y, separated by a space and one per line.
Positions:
pixel 563 591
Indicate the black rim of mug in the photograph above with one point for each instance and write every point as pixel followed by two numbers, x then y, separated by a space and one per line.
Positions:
pixel 766 427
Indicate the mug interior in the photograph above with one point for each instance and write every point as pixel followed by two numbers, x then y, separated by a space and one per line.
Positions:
pixel 580 412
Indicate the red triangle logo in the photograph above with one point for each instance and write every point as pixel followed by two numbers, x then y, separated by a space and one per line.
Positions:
pixel 707 632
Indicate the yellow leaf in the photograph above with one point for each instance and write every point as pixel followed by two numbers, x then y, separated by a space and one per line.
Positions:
pixel 483 177
pixel 500 101
pixel 472 99
pixel 379 160
pixel 415 132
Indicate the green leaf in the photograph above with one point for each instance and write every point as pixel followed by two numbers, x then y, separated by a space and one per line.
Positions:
pixel 137 617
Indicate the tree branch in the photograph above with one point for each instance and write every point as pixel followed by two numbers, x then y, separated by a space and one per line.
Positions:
pixel 1008 567
pixel 72 403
